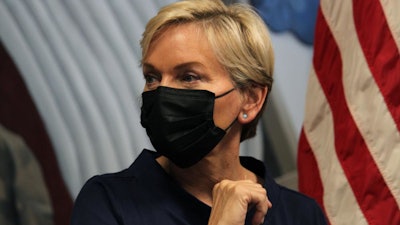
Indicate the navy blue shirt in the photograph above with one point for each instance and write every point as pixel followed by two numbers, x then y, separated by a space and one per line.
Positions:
pixel 145 194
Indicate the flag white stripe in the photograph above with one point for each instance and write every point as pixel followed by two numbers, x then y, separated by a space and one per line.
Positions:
pixel 391 8
pixel 320 135
pixel 363 95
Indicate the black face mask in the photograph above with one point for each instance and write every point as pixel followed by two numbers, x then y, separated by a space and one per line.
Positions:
pixel 179 123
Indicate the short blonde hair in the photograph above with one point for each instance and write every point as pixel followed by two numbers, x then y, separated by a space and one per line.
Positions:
pixel 238 36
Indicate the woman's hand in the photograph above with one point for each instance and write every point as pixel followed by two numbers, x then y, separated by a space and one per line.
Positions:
pixel 231 200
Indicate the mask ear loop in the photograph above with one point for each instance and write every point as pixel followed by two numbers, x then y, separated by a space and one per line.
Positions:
pixel 222 95
pixel 233 122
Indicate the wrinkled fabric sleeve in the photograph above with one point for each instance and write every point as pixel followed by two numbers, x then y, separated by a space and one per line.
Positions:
pixel 24 198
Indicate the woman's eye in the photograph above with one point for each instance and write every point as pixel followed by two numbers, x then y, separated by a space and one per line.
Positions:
pixel 150 79
pixel 190 78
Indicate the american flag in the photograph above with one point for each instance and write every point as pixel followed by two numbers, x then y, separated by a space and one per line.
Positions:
pixel 349 148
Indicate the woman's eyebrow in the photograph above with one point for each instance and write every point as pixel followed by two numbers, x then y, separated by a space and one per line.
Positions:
pixel 188 65
pixel 182 66
pixel 148 66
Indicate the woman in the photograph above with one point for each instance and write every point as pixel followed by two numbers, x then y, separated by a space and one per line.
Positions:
pixel 208 70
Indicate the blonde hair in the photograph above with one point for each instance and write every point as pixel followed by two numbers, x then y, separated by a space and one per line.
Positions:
pixel 238 36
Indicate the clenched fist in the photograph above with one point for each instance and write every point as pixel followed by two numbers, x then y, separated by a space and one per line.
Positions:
pixel 231 200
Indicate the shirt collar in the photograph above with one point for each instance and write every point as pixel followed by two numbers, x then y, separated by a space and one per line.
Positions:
pixel 146 164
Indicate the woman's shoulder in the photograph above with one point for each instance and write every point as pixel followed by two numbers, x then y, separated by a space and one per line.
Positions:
pixel 299 207
pixel 109 179
pixel 295 197
pixel 103 197
pixel 106 186
pixel 98 199
pixel 288 206
pixel 141 168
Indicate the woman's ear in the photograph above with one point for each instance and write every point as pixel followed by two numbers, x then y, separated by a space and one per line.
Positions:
pixel 253 102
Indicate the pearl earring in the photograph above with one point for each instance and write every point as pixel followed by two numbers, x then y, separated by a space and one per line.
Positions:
pixel 244 116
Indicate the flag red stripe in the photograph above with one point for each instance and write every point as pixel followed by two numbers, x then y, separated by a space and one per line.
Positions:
pixel 310 179
pixel 371 191
pixel 380 51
